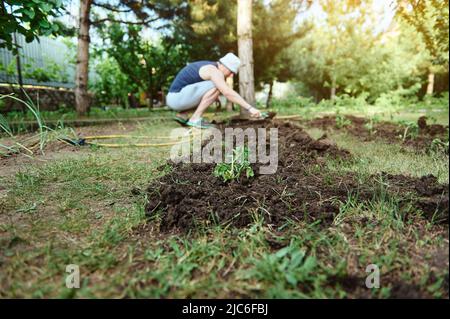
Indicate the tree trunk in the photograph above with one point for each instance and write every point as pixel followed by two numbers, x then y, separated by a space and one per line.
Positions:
pixel 132 101
pixel 333 90
pixel 81 80
pixel 150 99
pixel 163 97
pixel 19 75
pixel 333 93
pixel 269 96
pixel 430 86
pixel 245 46
pixel 229 105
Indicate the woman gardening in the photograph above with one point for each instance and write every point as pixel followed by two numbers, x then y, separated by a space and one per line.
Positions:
pixel 199 84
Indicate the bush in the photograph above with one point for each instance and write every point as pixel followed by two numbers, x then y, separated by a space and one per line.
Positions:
pixel 439 102
pixel 400 98
pixel 112 86
pixel 293 101
pixel 348 101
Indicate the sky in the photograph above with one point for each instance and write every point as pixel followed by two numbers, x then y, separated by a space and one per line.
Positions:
pixel 384 7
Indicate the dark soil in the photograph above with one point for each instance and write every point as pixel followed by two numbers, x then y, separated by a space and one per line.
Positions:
pixel 302 188
pixel 391 132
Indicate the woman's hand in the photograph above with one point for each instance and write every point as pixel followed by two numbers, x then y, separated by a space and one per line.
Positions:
pixel 254 112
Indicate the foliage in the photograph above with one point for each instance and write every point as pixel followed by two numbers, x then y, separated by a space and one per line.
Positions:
pixel 437 145
pixel 342 121
pixel 43 129
pixel 150 65
pixel 345 54
pixel 289 266
pixel 209 27
pixel 398 98
pixel 411 130
pixel 293 101
pixel 274 32
pixel 430 18
pixel 239 164
pixel 370 124
pixel 49 72
pixel 29 18
pixel 112 85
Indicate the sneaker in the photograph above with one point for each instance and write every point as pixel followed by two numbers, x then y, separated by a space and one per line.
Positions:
pixel 200 123
pixel 180 119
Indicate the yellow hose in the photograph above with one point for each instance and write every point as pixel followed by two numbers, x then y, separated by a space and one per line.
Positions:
pixel 103 137
pixel 136 145
pixel 112 145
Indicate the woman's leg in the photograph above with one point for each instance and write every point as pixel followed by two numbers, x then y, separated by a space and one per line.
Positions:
pixel 184 114
pixel 207 99
pixel 196 97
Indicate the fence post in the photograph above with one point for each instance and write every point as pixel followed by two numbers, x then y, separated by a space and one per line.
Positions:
pixel 19 67
pixel 19 73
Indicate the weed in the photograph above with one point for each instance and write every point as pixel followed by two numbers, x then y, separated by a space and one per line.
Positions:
pixel 439 146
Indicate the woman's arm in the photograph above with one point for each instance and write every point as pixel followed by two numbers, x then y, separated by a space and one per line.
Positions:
pixel 211 73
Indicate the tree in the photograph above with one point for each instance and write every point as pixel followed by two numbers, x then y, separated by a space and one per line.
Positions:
pixel 274 33
pixel 209 27
pixel 29 18
pixel 245 47
pixel 150 65
pixel 342 54
pixel 430 18
pixel 145 12
pixel 82 66
pixel 112 86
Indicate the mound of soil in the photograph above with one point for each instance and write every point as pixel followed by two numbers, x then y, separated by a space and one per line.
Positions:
pixel 387 131
pixel 302 188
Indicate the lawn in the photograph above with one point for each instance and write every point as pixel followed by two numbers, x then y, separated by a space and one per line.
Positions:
pixel 86 206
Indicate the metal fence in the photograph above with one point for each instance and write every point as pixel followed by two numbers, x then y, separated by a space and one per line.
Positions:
pixel 47 62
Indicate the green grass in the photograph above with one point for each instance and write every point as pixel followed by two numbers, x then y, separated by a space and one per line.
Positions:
pixel 407 109
pixel 80 210
pixel 64 114
pixel 377 156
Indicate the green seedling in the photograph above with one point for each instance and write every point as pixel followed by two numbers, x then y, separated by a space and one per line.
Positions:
pixel 239 165
pixel 411 130
pixel 370 127
pixel 342 121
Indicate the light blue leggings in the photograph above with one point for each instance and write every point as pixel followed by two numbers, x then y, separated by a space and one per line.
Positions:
pixel 189 97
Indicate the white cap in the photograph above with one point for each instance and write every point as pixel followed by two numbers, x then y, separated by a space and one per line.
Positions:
pixel 231 62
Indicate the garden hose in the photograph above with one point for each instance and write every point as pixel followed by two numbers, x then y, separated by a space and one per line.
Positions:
pixel 102 137
pixel 84 141
pixel 135 145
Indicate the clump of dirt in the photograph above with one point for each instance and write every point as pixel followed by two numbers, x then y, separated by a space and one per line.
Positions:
pixel 388 131
pixel 301 189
